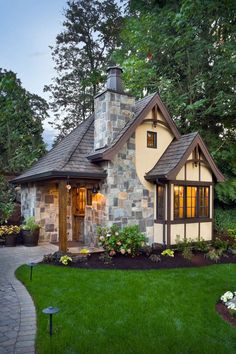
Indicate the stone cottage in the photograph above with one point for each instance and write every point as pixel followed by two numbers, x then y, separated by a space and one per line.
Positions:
pixel 126 164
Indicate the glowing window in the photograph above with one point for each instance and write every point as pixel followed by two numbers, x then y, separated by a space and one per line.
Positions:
pixel 151 139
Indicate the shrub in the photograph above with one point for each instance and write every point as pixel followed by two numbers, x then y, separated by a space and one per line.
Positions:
pixel 65 259
pixel 128 240
pixel 201 245
pixel 168 252
pixel 187 253
pixel 30 224
pixel 221 243
pixel 214 255
pixel 105 258
pixel 154 258
pixel 7 197
pixel 225 219
pixel 182 244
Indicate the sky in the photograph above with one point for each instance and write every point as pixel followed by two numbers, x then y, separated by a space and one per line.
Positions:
pixel 27 29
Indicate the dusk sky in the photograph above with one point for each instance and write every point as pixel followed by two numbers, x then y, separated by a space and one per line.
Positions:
pixel 27 29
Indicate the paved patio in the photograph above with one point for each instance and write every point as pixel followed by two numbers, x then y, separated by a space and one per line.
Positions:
pixel 17 312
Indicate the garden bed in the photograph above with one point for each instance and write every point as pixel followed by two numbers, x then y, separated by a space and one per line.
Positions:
pixel 140 262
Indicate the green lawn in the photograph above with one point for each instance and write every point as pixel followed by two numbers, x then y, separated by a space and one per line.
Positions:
pixel 139 312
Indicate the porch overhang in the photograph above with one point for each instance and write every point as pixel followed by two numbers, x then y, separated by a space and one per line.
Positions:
pixel 59 174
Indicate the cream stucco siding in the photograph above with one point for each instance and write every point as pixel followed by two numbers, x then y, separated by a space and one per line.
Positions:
pixel 146 158
pixel 192 172
pixel 206 175
pixel 180 176
pixel 192 231
pixel 177 230
pixel 158 233
pixel 205 230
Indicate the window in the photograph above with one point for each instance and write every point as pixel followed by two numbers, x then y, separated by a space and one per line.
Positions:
pixel 160 202
pixel 151 139
pixel 89 196
pixel 178 202
pixel 191 202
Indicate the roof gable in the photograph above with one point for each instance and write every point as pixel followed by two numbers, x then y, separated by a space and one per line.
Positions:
pixel 142 107
pixel 176 156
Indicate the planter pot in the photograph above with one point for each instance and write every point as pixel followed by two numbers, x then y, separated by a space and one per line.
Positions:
pixel 11 240
pixel 19 240
pixel 30 238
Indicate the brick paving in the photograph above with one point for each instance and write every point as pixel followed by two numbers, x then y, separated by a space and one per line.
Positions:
pixel 17 312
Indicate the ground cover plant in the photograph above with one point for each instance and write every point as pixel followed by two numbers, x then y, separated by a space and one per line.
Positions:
pixel 110 311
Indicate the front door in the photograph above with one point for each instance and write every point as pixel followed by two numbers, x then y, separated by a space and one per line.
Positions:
pixel 78 213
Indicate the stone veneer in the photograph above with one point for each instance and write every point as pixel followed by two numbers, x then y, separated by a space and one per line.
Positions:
pixel 41 201
pixel 128 202
pixel 112 112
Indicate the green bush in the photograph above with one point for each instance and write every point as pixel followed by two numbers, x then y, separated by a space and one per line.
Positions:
pixel 114 240
pixel 30 224
pixel 7 197
pixel 225 219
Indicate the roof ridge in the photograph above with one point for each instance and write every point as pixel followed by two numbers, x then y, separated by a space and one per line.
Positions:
pixel 74 146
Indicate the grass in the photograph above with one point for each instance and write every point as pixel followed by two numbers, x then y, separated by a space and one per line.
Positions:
pixel 139 312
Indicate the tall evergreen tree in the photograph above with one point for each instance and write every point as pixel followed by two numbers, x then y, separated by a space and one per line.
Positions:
pixel 185 49
pixel 91 31
pixel 21 116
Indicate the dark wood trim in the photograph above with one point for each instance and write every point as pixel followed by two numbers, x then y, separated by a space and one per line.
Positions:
pixel 197 141
pixel 199 231
pixel 185 172
pixel 163 221
pixel 191 183
pixel 168 221
pixel 199 172
pixel 212 208
pixel 63 196
pixel 185 232
pixel 156 121
pixel 190 221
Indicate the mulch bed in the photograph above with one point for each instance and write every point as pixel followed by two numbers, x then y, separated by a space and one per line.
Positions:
pixel 142 262
pixel 225 314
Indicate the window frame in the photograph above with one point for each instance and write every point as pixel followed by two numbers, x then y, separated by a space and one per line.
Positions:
pixel 154 139
pixel 198 207
pixel 160 209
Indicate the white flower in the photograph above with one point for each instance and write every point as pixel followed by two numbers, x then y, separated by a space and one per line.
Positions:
pixel 231 306
pixel 101 238
pixel 117 233
pixel 108 234
pixel 122 251
pixel 227 296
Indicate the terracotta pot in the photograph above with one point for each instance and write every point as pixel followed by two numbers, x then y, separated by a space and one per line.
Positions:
pixel 30 238
pixel 11 240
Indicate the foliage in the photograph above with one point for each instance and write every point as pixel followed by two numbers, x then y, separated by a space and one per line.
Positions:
pixel 190 60
pixel 225 219
pixel 168 252
pixel 214 254
pixel 220 243
pixel 9 230
pixel 65 259
pixel 81 53
pixel 201 245
pixel 128 240
pixel 154 258
pixel 187 253
pixel 21 116
pixel 184 243
pixel 105 258
pixel 30 224
pixel 7 197
pixel 120 299
pixel 84 251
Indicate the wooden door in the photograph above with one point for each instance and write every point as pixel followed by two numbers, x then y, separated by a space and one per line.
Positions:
pixel 78 212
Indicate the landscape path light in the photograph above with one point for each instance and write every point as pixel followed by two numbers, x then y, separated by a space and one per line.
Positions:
pixel 31 265
pixel 50 311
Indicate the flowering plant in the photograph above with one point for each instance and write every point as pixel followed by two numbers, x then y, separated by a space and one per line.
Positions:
pixel 126 241
pixel 9 230
pixel 65 259
pixel 229 300
pixel 168 252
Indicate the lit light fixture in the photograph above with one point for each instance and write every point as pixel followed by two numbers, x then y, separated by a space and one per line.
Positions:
pixel 68 186
pixel 95 189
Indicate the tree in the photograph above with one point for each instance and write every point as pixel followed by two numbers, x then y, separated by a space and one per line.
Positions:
pixel 91 31
pixel 21 116
pixel 186 50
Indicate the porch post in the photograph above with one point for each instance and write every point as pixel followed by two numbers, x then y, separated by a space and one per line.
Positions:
pixel 62 216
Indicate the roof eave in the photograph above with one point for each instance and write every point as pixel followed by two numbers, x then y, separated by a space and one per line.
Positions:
pixel 60 174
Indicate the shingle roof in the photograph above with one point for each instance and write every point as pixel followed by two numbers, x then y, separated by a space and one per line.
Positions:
pixel 171 157
pixel 68 156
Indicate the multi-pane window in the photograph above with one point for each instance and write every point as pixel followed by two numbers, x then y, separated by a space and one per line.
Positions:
pixel 203 202
pixel 191 202
pixel 178 202
pixel 160 202
pixel 151 139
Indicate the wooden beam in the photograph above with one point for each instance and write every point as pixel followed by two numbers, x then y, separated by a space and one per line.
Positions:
pixel 62 216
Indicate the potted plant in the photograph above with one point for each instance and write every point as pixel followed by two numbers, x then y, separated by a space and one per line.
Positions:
pixel 30 231
pixel 11 233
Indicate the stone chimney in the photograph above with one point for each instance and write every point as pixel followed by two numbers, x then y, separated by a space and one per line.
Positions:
pixel 113 109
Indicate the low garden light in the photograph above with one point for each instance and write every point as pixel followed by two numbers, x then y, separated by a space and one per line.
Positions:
pixel 31 265
pixel 50 311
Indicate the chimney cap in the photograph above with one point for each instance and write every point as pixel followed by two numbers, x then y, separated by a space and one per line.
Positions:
pixel 115 67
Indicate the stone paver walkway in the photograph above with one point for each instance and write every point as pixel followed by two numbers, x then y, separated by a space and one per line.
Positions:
pixel 17 312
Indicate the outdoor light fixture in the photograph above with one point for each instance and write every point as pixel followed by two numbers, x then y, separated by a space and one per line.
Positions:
pixel 50 311
pixel 95 189
pixel 68 186
pixel 31 265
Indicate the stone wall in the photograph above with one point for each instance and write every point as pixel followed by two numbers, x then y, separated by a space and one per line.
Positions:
pixel 112 112
pixel 127 200
pixel 41 201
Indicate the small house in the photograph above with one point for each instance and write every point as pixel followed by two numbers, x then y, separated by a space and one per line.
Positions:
pixel 126 164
